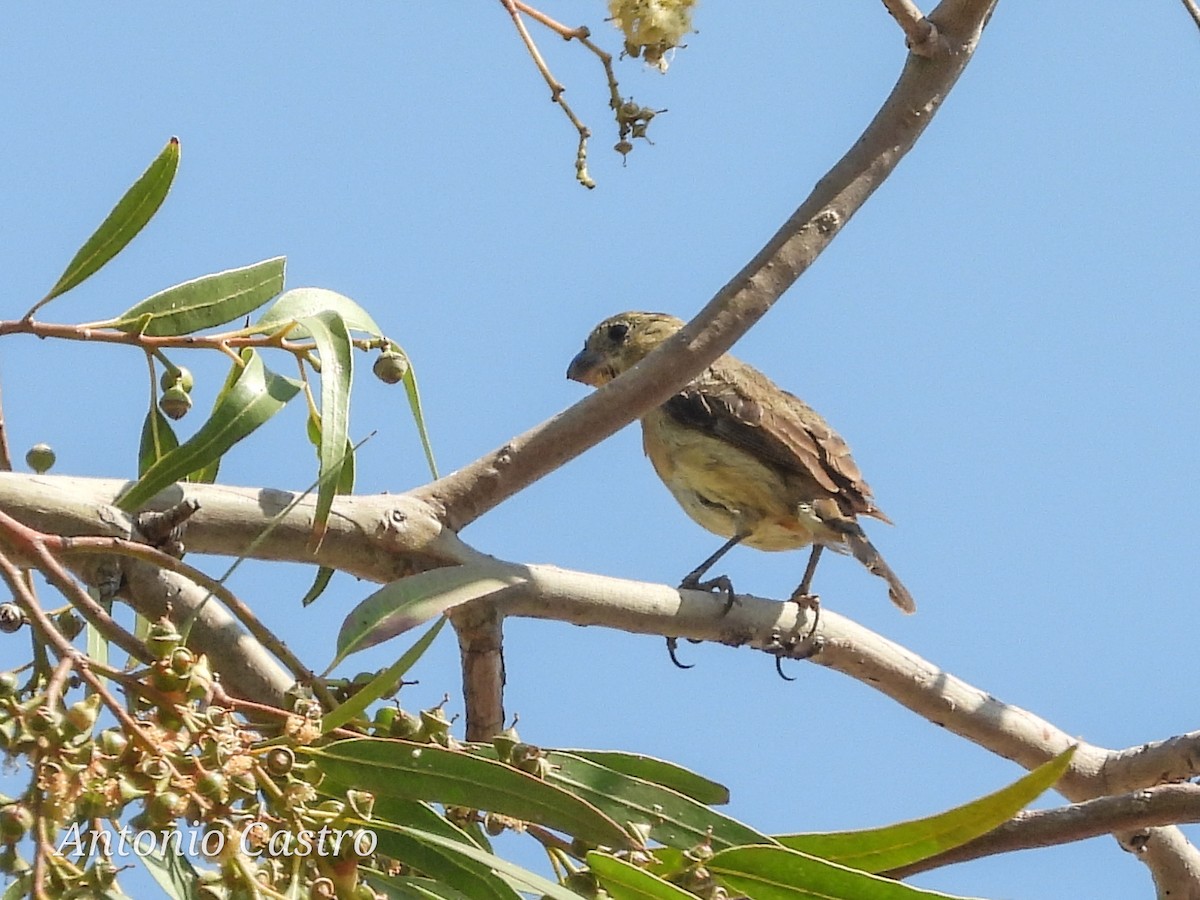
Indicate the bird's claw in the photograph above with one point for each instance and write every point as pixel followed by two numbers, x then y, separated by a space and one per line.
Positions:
pixel 810 602
pixel 720 585
pixel 785 647
pixel 672 646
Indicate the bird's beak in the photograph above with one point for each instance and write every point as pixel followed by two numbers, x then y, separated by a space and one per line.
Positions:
pixel 585 368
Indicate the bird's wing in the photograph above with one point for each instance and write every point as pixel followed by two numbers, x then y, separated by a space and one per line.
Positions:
pixel 735 402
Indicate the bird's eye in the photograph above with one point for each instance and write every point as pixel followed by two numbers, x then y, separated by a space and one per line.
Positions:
pixel 617 332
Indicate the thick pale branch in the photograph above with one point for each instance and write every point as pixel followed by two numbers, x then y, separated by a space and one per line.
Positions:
pixel 380 537
pixel 841 644
pixel 468 493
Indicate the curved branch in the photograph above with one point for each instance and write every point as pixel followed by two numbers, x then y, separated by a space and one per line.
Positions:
pixel 464 495
pixel 841 644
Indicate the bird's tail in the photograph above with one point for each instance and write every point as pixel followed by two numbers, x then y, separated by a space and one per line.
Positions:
pixel 864 551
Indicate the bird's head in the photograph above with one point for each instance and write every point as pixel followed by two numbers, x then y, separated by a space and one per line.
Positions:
pixel 619 343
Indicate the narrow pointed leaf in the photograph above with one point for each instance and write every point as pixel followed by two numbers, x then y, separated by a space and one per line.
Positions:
pixel 777 873
pixel 204 302
pixel 893 846
pixel 381 683
pixel 406 603
pixel 443 864
pixel 427 772
pixel 658 771
pixel 627 882
pixel 674 820
pixel 255 397
pixel 328 331
pixel 128 217
pixel 158 439
pixel 300 303
pixel 173 871
pixel 414 404
pixel 407 887
pixel 522 879
pixel 317 588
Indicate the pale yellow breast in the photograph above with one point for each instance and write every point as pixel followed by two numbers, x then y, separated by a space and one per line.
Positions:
pixel 723 488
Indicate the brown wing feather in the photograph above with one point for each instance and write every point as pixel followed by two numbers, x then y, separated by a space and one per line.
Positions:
pixel 785 432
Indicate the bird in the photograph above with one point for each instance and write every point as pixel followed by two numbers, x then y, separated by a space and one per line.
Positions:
pixel 745 459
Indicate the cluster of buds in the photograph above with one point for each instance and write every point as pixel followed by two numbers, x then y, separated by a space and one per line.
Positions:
pixel 632 122
pixel 176 399
pixel 246 803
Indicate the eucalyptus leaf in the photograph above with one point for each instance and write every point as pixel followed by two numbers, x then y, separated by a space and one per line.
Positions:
pixel 428 772
pixel 204 302
pixel 158 439
pixel 893 846
pixel 128 217
pixel 299 303
pixel 407 602
pixel 777 873
pixel 418 414
pixel 624 881
pixel 381 683
pixel 328 331
pixel 256 395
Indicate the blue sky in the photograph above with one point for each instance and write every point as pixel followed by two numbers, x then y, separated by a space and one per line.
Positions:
pixel 1005 335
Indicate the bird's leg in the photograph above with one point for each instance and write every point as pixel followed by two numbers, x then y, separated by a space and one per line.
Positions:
pixel 801 594
pixel 721 583
pixel 805 599
pixel 691 581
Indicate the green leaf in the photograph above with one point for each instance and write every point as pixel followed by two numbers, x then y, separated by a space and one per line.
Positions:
pixel 320 582
pixel 21 888
pixel 158 439
pixel 299 303
pixel 522 879
pixel 328 331
pixel 406 603
pixel 777 873
pixel 255 397
pixel 128 217
pixel 414 403
pixel 406 887
pixel 207 474
pixel 627 882
pixel 658 771
pixel 414 771
pixel 381 683
pixel 441 863
pixel 204 302
pixel 893 846
pixel 174 872
pixel 674 820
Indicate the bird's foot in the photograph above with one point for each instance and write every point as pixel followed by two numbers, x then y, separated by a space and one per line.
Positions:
pixel 785 646
pixel 812 603
pixel 720 585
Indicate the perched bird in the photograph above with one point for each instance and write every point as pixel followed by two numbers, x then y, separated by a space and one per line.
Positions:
pixel 744 458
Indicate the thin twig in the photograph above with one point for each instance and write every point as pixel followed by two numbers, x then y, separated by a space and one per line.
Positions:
pixel 30 542
pixel 556 94
pixel 243 613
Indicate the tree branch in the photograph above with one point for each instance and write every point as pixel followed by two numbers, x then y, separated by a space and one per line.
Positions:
pixel 1193 10
pixel 464 495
